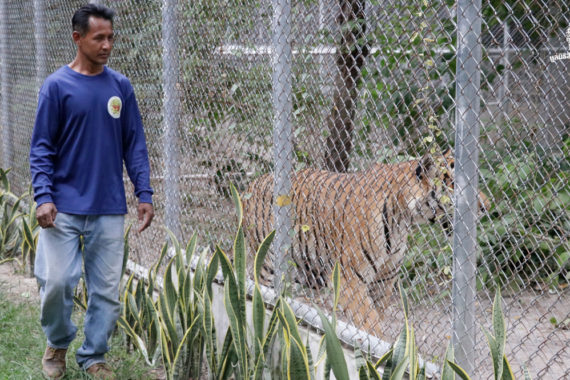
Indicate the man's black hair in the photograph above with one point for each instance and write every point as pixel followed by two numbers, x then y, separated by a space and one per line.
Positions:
pixel 80 20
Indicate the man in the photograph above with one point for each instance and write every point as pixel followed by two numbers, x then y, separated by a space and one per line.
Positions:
pixel 87 125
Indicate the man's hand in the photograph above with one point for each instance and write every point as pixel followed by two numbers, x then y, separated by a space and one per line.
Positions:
pixel 45 214
pixel 146 214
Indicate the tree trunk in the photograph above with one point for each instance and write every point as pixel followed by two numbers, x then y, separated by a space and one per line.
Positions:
pixel 351 54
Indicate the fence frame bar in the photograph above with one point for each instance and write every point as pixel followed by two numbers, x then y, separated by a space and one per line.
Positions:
pixel 6 87
pixel 40 40
pixel 282 144
pixel 171 115
pixel 468 93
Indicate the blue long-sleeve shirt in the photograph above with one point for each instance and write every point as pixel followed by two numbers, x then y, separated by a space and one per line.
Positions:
pixel 86 127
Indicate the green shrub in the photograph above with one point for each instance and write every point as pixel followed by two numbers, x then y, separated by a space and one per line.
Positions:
pixel 176 321
pixel 170 326
pixel 251 352
pixel 30 232
pixel 525 238
pixel 10 238
pixel 139 317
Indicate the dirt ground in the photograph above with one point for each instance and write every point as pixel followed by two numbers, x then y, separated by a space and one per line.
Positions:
pixel 18 287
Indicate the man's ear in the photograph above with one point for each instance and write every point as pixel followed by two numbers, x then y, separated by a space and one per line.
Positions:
pixel 426 167
pixel 76 36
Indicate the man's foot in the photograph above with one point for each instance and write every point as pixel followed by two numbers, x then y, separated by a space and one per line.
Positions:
pixel 101 371
pixel 53 362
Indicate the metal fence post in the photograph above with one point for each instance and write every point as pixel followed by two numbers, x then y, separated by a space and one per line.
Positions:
pixel 39 35
pixel 171 109
pixel 468 79
pixel 505 61
pixel 283 150
pixel 6 86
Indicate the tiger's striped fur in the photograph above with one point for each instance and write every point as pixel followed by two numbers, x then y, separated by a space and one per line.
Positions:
pixel 361 220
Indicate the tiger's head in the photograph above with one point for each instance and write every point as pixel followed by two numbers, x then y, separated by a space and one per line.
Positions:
pixel 432 199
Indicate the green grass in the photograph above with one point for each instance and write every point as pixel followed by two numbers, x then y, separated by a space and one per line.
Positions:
pixel 23 343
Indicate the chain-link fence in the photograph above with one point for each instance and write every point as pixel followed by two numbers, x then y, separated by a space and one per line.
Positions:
pixel 359 87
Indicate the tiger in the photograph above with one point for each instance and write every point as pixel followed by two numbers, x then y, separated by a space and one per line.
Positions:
pixel 359 219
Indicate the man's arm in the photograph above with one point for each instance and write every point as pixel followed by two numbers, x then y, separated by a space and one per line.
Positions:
pixel 136 160
pixel 43 150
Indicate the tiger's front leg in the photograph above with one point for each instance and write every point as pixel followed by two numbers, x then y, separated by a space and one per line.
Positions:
pixel 357 303
pixel 381 287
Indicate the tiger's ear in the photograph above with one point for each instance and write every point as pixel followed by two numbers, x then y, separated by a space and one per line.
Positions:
pixel 426 167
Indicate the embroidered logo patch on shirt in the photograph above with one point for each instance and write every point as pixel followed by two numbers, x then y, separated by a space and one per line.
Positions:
pixel 114 106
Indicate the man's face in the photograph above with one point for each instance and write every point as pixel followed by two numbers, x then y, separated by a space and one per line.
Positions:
pixel 97 43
